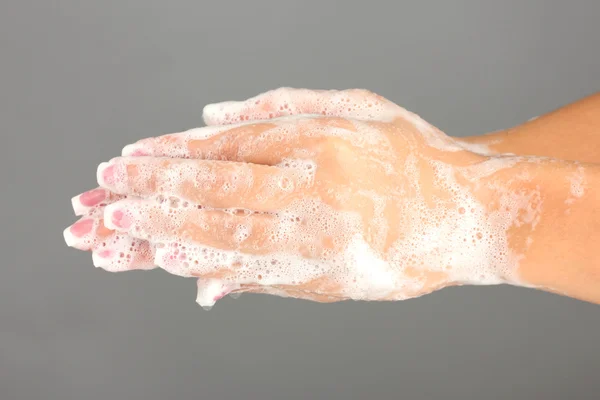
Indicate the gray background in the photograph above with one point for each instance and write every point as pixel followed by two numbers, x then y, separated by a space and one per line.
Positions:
pixel 80 79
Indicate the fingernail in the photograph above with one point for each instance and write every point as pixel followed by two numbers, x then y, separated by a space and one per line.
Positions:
pixel 92 197
pixel 134 150
pixel 82 227
pixel 84 201
pixel 106 174
pixel 76 231
pixel 102 259
pixel 118 219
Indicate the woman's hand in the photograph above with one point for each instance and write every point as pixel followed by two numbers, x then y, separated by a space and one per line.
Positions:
pixel 90 233
pixel 381 206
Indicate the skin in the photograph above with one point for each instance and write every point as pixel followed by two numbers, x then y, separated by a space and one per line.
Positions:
pixel 556 260
pixel 564 260
pixel 568 133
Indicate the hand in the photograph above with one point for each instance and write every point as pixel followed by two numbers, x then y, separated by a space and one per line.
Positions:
pixel 372 185
pixel 90 234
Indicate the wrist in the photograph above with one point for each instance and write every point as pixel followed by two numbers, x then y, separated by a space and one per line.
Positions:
pixel 546 215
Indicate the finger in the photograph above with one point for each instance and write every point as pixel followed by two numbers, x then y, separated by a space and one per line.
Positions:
pixel 209 291
pixel 112 251
pixel 258 143
pixel 85 203
pixel 267 143
pixel 216 184
pixel 176 145
pixel 122 252
pixel 149 220
pixel 281 271
pixel 285 101
pixel 88 232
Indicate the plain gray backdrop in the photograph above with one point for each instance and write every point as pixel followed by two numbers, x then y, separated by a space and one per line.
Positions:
pixel 80 79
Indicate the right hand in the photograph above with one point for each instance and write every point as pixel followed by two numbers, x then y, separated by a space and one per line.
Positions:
pixel 90 233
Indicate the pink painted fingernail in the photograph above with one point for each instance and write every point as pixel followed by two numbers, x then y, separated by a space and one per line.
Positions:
pixel 82 227
pixel 93 197
pixel 120 219
pixel 109 175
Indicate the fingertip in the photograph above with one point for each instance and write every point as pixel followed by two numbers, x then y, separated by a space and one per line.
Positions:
pixel 78 208
pixel 135 150
pixel 100 261
pixel 204 296
pixel 77 235
pixel 101 173
pixel 128 150
pixel 223 113
pixel 212 290
pixel 70 239
pixel 86 201
pixel 210 113
pixel 109 211
pixel 161 257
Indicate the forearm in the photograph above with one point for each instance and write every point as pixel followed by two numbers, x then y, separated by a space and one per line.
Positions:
pixel 571 132
pixel 556 237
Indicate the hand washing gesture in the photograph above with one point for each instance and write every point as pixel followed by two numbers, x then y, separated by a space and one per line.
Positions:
pixel 321 195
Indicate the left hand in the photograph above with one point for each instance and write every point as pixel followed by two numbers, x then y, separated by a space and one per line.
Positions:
pixel 340 168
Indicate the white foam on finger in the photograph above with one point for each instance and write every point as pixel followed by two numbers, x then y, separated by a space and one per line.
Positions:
pixel 215 113
pixel 124 253
pixel 108 213
pixel 132 149
pixel 99 173
pixel 177 144
pixel 212 290
pixel 99 262
pixel 376 225
pixel 70 239
pixel 78 208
